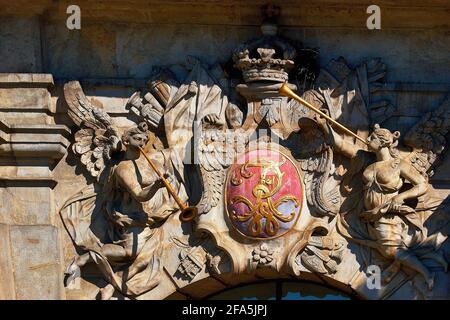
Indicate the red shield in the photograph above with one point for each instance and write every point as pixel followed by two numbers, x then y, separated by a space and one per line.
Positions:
pixel 263 194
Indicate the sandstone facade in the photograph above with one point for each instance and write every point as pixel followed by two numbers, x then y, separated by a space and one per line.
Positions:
pixel 400 75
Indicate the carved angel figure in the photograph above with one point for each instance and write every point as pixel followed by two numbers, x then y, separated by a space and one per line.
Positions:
pixel 395 228
pixel 116 223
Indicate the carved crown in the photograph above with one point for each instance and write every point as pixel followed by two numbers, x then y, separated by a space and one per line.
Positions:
pixel 269 58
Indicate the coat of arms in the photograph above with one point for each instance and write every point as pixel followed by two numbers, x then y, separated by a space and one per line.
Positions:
pixel 263 194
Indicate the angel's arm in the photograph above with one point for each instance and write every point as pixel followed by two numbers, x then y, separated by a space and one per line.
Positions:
pixel 334 139
pixel 129 181
pixel 419 183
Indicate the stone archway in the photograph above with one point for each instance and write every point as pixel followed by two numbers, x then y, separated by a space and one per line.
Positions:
pixel 255 287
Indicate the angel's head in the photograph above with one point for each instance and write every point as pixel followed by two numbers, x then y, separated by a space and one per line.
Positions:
pixel 136 137
pixel 383 138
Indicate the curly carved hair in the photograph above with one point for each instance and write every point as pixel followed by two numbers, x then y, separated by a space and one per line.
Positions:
pixel 141 128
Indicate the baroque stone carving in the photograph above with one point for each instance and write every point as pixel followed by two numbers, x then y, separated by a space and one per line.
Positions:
pixel 192 262
pixel 267 176
pixel 130 199
pixel 322 254
pixel 390 221
pixel 262 255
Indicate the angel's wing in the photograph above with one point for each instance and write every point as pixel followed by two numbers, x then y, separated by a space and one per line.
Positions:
pixel 97 138
pixel 216 152
pixel 427 139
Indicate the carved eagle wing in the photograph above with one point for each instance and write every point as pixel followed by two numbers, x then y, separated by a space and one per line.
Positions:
pixel 97 138
pixel 216 152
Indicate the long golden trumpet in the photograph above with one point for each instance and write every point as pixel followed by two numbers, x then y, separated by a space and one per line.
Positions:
pixel 286 91
pixel 187 213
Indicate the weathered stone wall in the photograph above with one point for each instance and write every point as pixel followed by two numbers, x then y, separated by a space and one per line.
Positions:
pixel 116 50
pixel 31 144
pixel 112 50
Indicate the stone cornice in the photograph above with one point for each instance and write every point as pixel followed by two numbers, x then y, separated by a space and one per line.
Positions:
pixel 30 142
pixel 26 79
pixel 308 13
pixel 33 141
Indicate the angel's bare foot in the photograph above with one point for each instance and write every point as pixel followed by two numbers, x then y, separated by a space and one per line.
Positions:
pixel 430 282
pixel 389 273
pixel 107 292
pixel 73 271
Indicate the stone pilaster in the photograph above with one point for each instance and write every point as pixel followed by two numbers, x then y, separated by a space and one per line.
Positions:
pixel 30 146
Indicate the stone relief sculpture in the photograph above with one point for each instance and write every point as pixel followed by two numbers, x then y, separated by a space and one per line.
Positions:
pixel 130 199
pixel 388 218
pixel 322 254
pixel 275 185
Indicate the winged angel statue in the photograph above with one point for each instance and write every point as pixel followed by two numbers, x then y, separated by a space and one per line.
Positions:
pixel 128 198
pixel 378 193
pixel 116 222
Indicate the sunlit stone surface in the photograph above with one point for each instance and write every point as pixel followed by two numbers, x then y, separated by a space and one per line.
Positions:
pixel 84 216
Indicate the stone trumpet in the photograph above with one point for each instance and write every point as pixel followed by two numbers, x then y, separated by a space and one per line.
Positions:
pixel 286 91
pixel 187 213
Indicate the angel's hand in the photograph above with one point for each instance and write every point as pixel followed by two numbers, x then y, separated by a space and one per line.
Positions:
pixel 212 119
pixel 400 208
pixel 123 221
pixel 160 183
pixel 396 204
pixel 323 123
